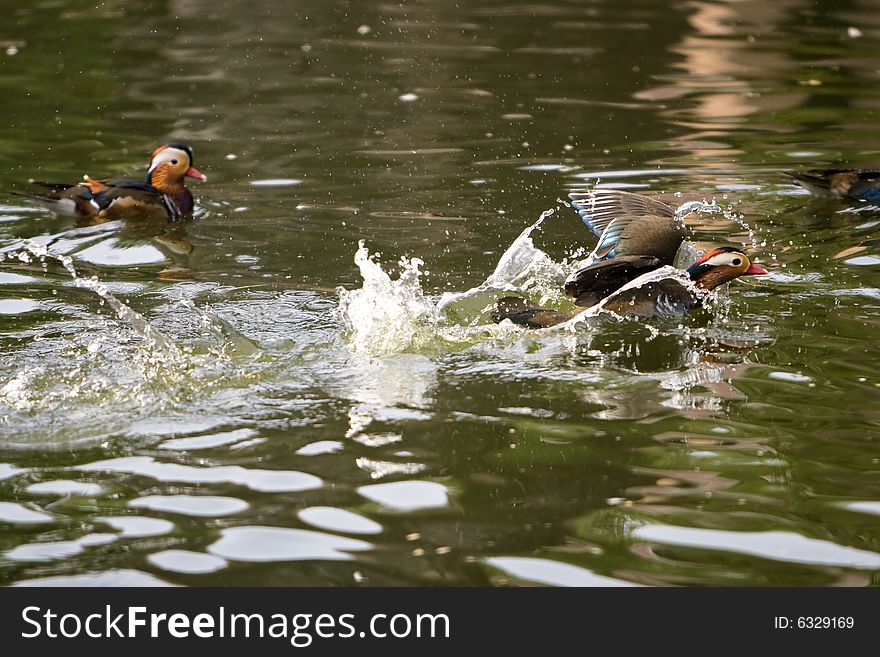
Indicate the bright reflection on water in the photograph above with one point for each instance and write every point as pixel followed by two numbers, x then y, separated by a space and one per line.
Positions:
pixel 302 385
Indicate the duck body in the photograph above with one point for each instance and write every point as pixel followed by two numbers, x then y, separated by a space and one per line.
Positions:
pixel 663 298
pixel 163 194
pixel 637 235
pixel 115 199
pixel 590 284
pixel 857 184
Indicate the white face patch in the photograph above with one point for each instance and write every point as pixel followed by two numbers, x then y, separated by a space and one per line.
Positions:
pixel 172 156
pixel 731 259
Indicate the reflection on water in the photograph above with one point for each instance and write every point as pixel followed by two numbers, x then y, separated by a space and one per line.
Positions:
pixel 407 495
pixel 255 479
pixel 52 550
pixel 339 520
pixel 281 544
pixel 186 562
pixel 113 577
pixel 190 505
pixel 550 573
pixel 233 400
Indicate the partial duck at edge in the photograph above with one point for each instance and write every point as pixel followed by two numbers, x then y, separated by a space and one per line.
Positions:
pixel 856 184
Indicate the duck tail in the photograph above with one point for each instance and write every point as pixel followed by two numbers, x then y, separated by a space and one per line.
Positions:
pixel 522 313
pixel 55 201
pixel 811 181
pixel 33 197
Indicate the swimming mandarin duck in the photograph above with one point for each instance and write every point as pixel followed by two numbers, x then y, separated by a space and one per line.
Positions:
pixel 858 184
pixel 637 235
pixel 162 195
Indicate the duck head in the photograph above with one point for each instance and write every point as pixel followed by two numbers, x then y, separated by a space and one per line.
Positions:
pixel 721 265
pixel 169 165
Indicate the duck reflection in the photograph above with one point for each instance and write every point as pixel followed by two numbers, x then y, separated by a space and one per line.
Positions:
pixel 696 380
pixel 388 390
pixel 97 243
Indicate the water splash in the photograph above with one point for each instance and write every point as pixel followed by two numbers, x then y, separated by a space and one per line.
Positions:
pixel 388 316
pixel 522 266
pixel 665 273
pixel 731 214
pixel 697 207
pixel 385 315
pixel 100 379
pixel 230 340
pixel 138 322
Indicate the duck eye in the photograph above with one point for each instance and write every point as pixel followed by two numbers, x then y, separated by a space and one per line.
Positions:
pixel 173 161
pixel 736 262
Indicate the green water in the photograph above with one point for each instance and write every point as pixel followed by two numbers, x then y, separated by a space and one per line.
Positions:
pixel 737 447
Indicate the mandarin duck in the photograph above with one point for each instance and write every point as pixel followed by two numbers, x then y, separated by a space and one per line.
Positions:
pixel 637 235
pixel 666 297
pixel 162 195
pixel 858 184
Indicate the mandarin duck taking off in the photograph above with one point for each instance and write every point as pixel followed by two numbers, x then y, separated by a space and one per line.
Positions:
pixel 162 195
pixel 637 235
pixel 857 184
pixel 666 297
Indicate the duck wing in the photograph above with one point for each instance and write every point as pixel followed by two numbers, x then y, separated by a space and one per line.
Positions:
pixel 598 207
pixel 589 285
pixel 630 224
pixel 121 198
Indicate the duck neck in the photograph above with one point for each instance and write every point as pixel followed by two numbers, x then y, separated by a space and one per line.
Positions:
pixel 160 179
pixel 711 278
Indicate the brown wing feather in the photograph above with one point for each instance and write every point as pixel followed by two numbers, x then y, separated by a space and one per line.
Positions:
pixel 653 235
pixel 598 207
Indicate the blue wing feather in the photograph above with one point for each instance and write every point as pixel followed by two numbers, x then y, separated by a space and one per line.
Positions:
pixel 609 238
pixel 872 195
pixel 596 210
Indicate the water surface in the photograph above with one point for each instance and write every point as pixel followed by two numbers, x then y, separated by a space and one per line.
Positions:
pixel 253 398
